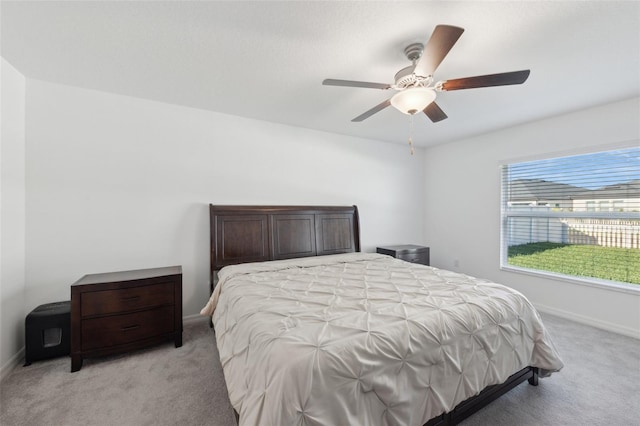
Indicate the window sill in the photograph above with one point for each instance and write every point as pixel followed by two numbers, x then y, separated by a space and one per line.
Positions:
pixel 590 282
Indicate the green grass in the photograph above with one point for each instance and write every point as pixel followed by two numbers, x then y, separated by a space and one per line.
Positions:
pixel 576 259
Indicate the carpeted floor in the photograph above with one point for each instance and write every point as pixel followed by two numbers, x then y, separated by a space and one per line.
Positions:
pixel 600 385
pixel 156 386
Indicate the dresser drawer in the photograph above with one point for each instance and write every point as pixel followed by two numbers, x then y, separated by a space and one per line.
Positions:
pixel 126 328
pixel 126 299
pixel 422 258
pixel 407 252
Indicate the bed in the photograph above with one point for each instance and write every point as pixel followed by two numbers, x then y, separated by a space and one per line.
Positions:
pixel 312 331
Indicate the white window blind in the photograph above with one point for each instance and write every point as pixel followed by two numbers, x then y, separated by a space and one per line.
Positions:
pixel 576 215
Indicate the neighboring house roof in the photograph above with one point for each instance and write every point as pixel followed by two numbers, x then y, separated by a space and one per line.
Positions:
pixel 539 189
pixel 629 189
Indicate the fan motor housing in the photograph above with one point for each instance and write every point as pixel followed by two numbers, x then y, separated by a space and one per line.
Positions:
pixel 405 77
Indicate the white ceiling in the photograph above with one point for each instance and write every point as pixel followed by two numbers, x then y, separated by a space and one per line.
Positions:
pixel 266 60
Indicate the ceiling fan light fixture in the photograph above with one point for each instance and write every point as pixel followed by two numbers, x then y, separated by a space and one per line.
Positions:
pixel 415 84
pixel 413 100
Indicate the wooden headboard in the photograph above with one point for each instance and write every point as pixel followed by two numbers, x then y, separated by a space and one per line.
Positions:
pixel 241 234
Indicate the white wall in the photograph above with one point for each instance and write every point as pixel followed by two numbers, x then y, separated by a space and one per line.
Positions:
pixel 114 183
pixel 117 183
pixel 12 214
pixel 463 208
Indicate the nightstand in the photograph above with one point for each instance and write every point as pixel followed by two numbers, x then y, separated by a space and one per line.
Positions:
pixel 124 311
pixel 409 252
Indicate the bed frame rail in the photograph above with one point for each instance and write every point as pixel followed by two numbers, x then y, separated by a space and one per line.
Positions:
pixel 484 398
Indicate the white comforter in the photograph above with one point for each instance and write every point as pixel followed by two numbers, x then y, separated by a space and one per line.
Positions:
pixel 365 339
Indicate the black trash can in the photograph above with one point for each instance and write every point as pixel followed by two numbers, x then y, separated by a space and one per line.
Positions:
pixel 48 332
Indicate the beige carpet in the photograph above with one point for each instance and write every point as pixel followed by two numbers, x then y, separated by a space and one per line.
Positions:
pixel 157 386
pixel 600 385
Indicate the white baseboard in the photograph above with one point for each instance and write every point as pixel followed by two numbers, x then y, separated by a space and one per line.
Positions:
pixel 604 325
pixel 12 363
pixel 195 318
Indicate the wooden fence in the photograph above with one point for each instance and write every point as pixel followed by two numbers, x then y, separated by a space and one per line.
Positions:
pixel 623 233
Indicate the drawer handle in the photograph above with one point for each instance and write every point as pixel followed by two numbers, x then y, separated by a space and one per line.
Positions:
pixel 130 327
pixel 130 299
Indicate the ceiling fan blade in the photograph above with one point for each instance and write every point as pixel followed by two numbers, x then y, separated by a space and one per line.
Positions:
pixel 434 112
pixel 351 83
pixel 503 79
pixel 372 111
pixel 440 43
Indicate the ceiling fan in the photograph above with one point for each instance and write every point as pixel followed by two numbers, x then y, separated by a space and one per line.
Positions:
pixel 415 84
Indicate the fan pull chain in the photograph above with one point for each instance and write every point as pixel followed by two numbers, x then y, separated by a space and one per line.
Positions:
pixel 411 133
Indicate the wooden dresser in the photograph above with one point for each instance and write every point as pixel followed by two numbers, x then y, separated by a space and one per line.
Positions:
pixel 408 252
pixel 123 311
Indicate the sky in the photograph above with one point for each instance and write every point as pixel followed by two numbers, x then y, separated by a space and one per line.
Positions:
pixel 589 171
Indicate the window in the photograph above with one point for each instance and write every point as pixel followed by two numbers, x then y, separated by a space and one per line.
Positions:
pixel 592 232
